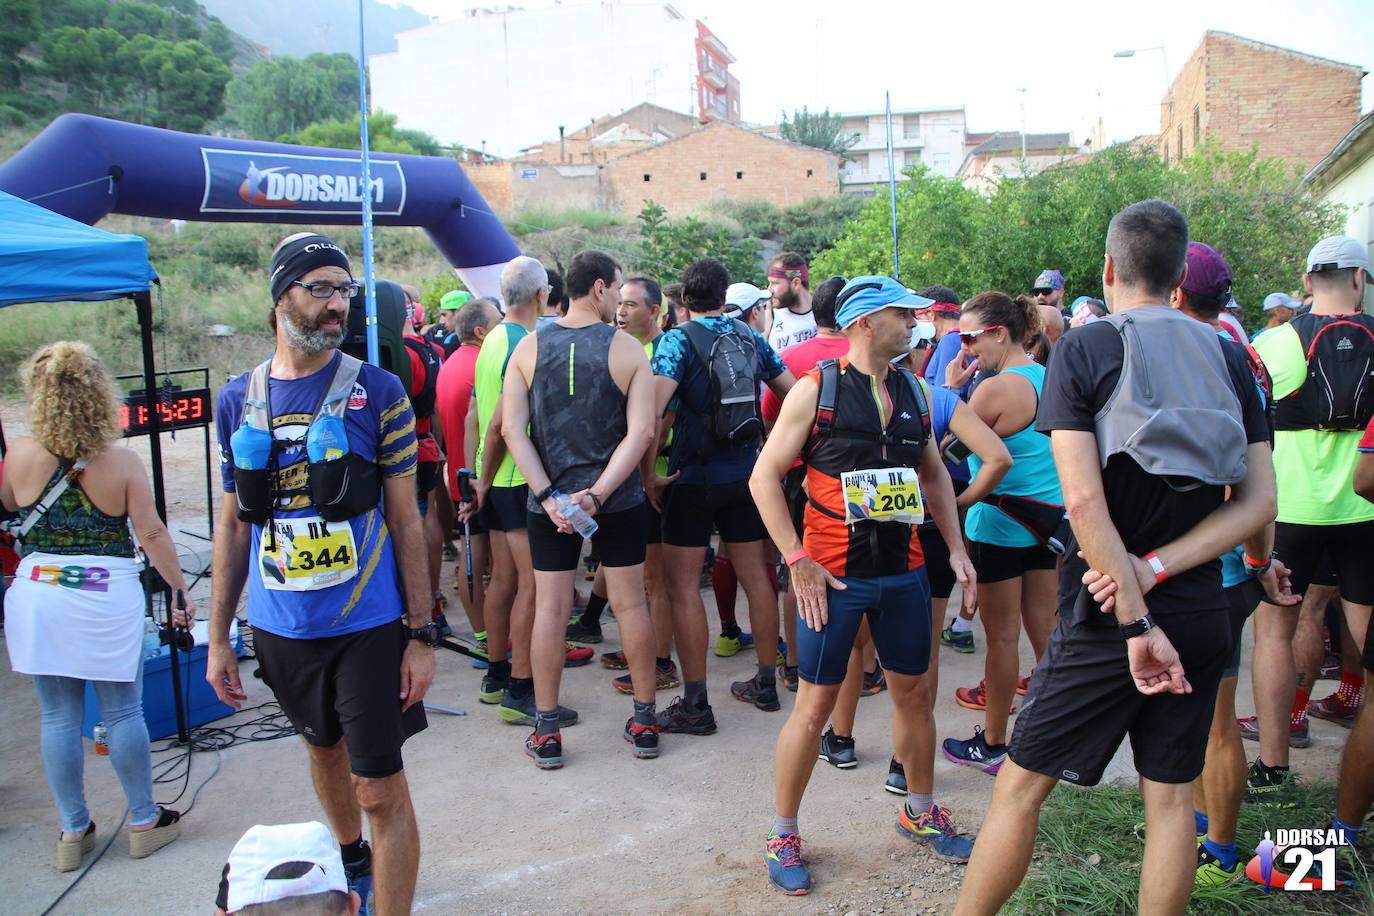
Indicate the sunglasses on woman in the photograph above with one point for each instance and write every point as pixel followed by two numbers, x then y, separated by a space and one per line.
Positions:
pixel 968 337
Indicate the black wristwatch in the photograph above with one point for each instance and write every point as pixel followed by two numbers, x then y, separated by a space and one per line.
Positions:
pixel 427 634
pixel 1137 627
pixel 543 494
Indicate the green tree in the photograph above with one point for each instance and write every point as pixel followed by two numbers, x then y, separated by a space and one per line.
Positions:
pixel 822 130
pixel 1251 209
pixel 382 136
pixel 220 41
pixel 189 81
pixel 667 246
pixel 86 62
pixel 84 14
pixel 131 17
pixel 21 19
pixel 283 95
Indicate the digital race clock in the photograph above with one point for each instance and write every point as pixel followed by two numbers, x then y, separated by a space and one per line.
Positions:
pixel 178 408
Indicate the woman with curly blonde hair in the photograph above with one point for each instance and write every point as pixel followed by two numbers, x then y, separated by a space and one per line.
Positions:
pixel 75 612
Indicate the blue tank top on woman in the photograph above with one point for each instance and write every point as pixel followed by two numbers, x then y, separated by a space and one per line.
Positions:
pixel 1032 475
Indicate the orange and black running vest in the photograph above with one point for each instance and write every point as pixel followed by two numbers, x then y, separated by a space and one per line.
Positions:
pixel 861 424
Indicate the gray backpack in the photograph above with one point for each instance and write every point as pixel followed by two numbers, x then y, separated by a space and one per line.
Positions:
pixel 1175 410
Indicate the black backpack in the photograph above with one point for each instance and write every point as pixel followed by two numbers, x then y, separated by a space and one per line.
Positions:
pixel 1338 392
pixel 733 418
pixel 423 402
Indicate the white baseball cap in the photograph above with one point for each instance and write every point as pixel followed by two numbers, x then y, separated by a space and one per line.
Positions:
pixel 1280 301
pixel 1337 252
pixel 278 861
pixel 741 297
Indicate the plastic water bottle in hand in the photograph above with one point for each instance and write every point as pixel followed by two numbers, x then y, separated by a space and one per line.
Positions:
pixel 582 523
pixel 152 644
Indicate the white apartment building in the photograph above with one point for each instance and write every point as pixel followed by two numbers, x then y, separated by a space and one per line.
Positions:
pixel 932 136
pixel 504 77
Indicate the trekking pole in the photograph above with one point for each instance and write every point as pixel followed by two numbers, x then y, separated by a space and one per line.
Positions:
pixel 466 495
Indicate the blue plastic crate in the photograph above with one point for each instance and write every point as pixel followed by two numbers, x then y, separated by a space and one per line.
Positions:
pixel 159 709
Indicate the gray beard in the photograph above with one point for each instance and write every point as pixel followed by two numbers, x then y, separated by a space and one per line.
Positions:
pixel 310 342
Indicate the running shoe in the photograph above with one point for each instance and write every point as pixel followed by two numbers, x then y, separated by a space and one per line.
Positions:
pixel 577 656
pixel 615 661
pixel 643 738
pixel 730 646
pixel 491 690
pixel 584 631
pixel 358 875
pixel 896 778
pixel 959 642
pixel 936 829
pixel 975 752
pixel 1333 710
pixel 480 647
pixel 664 679
pixel 787 676
pixel 976 698
pixel 781 658
pixel 763 696
pixel 520 711
pixel 1330 669
pixel 1299 736
pixel 875 682
pixel 1210 874
pixel 1262 780
pixel 679 719
pixel 441 624
pixel 785 869
pixel 546 752
pixel 837 750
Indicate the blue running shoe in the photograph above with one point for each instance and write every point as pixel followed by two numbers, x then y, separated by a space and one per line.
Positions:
pixel 785 869
pixel 936 830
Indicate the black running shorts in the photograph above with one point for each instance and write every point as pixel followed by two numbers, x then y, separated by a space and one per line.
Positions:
pixel 345 687
pixel 995 563
pixel 1243 599
pixel 1349 547
pixel 505 508
pixel 937 567
pixel 653 524
pixel 1082 702
pixel 690 511
pixel 618 541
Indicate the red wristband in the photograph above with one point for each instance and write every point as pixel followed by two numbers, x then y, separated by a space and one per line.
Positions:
pixel 1157 565
pixel 792 558
pixel 1255 564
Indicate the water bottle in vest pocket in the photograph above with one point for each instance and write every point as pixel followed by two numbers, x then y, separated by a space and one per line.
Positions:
pixel 342 484
pixel 252 450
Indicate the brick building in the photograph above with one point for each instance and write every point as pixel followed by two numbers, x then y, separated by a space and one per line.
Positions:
pixel 613 135
pixel 721 161
pixel 684 174
pixel 1242 92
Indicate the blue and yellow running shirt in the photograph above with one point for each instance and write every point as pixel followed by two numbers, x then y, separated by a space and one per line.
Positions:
pixel 381 428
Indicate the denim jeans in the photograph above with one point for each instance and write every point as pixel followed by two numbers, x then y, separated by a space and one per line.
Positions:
pixel 61 701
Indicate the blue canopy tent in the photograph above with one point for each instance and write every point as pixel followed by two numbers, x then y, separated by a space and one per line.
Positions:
pixel 46 257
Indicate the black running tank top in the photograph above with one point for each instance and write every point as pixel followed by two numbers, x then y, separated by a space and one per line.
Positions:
pixel 577 413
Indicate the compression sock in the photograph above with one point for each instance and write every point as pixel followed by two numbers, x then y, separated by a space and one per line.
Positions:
pixel 499 671
pixel 960 625
pixel 768 674
pixel 1199 823
pixel 592 615
pixel 695 694
pixel 1299 718
pixel 545 722
pixel 1352 685
pixel 724 583
pixel 1350 833
pixel 783 825
pixel 916 805
pixel 644 712
pixel 1225 853
pixel 521 686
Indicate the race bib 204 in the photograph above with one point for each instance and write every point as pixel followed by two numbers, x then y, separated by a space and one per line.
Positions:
pixel 882 495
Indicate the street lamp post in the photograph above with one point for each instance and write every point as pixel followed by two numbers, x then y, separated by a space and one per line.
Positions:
pixel 1132 52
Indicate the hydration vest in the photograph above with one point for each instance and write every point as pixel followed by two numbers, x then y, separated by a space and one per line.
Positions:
pixel 848 436
pixel 423 402
pixel 1175 410
pixel 340 486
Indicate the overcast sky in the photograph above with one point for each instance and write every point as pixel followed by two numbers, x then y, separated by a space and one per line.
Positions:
pixel 845 55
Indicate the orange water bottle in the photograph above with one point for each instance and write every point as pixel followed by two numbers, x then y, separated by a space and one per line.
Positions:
pixel 102 740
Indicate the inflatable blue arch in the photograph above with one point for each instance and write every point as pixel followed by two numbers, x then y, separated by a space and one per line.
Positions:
pixel 85 167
